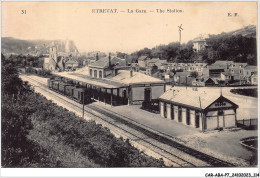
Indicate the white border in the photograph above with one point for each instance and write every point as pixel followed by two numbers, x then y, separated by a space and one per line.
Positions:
pixel 127 172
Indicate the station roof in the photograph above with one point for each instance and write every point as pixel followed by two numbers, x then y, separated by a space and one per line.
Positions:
pixel 198 99
pixel 123 76
pixel 89 80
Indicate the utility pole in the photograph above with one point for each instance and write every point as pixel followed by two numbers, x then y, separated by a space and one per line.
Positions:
pixel 83 104
pixel 186 82
pixel 180 29
pixel 202 120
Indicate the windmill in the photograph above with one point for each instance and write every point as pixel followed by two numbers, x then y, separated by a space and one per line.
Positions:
pixel 180 29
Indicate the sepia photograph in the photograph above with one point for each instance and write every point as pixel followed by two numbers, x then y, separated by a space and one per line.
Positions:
pixel 121 84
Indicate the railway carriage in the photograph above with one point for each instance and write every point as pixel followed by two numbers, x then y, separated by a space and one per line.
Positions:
pixel 75 92
pixel 55 85
pixel 62 87
pixel 81 95
pixel 69 90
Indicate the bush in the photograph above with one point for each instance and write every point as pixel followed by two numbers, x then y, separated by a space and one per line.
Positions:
pixel 247 92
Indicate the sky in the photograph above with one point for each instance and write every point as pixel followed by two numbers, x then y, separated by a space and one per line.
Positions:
pixel 122 31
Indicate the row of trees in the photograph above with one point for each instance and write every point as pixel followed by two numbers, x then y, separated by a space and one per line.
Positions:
pixel 225 46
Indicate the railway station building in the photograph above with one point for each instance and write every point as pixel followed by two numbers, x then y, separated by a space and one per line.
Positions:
pixel 198 109
pixel 122 86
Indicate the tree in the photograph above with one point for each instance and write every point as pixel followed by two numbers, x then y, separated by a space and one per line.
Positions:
pixel 194 74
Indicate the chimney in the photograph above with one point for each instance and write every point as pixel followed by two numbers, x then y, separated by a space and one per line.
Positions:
pixel 131 73
pixel 97 57
pixel 109 60
pixel 116 71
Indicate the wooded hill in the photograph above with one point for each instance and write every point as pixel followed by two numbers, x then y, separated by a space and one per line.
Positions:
pixel 238 46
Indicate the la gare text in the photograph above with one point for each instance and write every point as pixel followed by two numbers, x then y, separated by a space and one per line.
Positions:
pixel 113 11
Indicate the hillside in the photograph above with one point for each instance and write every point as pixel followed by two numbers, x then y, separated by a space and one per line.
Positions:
pixel 248 31
pixel 35 47
pixel 238 46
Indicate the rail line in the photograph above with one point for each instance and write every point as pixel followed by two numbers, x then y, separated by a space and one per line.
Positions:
pixel 215 162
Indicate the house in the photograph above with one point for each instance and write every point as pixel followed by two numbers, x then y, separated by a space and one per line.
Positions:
pixel 142 61
pixel 249 70
pixel 104 67
pixel 151 70
pixel 198 82
pixel 196 67
pixel 226 76
pixel 211 82
pixel 71 64
pixel 199 43
pixel 218 67
pixel 254 79
pixel 237 70
pixel 155 62
pixel 181 77
pixel 198 109
pixel 49 64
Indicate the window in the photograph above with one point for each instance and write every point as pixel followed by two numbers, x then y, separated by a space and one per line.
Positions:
pixel 90 72
pixel 100 74
pixel 95 73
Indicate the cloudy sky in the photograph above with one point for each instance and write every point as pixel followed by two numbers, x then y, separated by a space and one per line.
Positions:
pixel 122 31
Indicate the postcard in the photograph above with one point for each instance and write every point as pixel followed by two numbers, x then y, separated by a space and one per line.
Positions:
pixel 129 84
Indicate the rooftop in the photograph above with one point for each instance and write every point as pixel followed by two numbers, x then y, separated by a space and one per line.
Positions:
pixel 142 58
pixel 71 62
pixel 123 76
pixel 249 67
pixel 104 62
pixel 86 79
pixel 198 99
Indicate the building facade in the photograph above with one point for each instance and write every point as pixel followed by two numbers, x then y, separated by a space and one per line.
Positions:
pixel 198 110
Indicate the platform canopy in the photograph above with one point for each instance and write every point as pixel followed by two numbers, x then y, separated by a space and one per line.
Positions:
pixel 90 80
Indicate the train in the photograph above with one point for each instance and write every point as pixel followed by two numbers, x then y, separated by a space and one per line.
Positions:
pixel 75 92
pixel 84 92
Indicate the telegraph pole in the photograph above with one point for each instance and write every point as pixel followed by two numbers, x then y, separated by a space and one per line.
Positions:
pixel 180 29
pixel 83 104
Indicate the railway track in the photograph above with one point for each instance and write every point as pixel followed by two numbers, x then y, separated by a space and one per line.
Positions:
pixel 158 136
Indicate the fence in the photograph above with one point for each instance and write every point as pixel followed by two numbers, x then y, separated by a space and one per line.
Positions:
pixel 250 123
